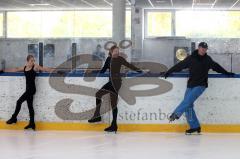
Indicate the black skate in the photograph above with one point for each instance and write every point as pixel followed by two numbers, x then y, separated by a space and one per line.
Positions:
pixel 95 119
pixel 31 126
pixel 173 117
pixel 12 121
pixel 196 131
pixel 112 128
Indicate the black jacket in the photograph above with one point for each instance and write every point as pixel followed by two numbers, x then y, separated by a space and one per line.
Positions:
pixel 114 66
pixel 198 69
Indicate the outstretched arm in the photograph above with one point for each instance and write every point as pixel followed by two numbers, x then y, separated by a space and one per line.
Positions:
pixel 44 69
pixel 131 66
pixel 106 65
pixel 218 68
pixel 178 67
pixel 17 69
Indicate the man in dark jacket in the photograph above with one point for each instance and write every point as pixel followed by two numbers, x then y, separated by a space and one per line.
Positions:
pixel 198 64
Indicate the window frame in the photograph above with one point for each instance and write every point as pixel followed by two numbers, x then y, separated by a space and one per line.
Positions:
pixel 3 25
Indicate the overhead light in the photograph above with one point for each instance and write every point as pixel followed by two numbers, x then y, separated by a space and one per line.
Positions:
pixel 205 2
pixel 40 4
pixel 108 2
pixel 150 2
pixel 160 1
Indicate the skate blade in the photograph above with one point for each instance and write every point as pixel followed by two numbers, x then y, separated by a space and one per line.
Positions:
pixel 29 130
pixel 98 122
pixel 111 132
pixel 195 133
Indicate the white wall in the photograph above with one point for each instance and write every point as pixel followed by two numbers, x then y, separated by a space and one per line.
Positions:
pixel 218 105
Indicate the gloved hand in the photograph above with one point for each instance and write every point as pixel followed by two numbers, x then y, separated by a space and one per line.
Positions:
pixel 1 71
pixel 164 74
pixel 61 72
pixel 230 74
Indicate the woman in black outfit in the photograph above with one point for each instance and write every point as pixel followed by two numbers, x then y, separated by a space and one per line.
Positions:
pixel 113 63
pixel 30 73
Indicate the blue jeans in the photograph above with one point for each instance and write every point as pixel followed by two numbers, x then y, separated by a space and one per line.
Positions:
pixel 186 106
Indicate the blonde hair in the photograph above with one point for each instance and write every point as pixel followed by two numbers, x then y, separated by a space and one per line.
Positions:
pixel 29 57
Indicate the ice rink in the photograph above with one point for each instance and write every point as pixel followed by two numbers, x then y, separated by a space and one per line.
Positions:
pixel 100 145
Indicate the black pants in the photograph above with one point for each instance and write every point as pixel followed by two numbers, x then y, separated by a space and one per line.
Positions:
pixel 27 96
pixel 111 87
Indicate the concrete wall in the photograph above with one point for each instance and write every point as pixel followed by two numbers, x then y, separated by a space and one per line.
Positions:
pixel 162 50
pixel 225 52
pixel 15 51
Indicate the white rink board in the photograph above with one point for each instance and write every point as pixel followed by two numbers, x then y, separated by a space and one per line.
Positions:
pixel 219 104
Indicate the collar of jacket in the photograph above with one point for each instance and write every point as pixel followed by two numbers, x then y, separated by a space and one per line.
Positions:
pixel 196 55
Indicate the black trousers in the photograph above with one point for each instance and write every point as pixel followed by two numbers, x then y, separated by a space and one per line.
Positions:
pixel 27 96
pixel 111 87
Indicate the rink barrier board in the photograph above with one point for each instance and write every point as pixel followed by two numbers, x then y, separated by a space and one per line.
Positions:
pixel 64 126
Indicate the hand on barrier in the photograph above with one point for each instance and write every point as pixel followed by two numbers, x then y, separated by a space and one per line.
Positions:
pixel 61 72
pixel 164 74
pixel 230 74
